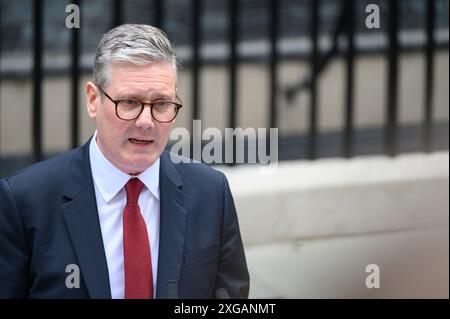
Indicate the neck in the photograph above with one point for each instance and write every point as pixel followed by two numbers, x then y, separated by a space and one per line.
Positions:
pixel 99 144
pixel 134 174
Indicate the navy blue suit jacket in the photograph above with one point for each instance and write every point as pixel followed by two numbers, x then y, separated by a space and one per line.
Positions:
pixel 49 219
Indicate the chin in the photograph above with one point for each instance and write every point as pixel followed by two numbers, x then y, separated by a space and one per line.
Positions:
pixel 142 164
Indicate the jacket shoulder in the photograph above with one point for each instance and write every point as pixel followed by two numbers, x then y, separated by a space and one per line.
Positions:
pixel 42 174
pixel 194 170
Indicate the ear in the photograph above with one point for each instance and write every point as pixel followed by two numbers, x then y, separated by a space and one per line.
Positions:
pixel 92 99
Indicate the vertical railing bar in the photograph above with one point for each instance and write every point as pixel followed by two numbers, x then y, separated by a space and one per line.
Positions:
pixel 274 57
pixel 0 91
pixel 117 13
pixel 37 82
pixel 350 85
pixel 391 111
pixel 273 69
pixel 75 78
pixel 232 80
pixel 196 18
pixel 314 68
pixel 233 62
pixel 195 65
pixel 429 72
pixel 159 14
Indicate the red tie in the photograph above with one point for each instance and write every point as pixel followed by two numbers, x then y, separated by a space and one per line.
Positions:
pixel 136 248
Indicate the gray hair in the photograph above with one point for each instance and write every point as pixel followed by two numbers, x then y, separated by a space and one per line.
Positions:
pixel 131 43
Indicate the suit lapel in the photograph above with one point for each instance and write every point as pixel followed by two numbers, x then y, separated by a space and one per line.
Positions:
pixel 172 226
pixel 81 216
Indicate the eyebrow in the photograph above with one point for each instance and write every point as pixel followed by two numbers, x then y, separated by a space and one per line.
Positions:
pixel 142 98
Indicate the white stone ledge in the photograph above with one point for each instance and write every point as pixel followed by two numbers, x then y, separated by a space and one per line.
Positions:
pixel 338 197
pixel 412 264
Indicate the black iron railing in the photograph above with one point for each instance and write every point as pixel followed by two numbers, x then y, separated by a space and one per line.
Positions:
pixel 318 60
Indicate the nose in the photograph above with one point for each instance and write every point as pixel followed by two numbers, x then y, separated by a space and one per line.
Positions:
pixel 145 119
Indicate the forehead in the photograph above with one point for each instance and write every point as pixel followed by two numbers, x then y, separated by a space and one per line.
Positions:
pixel 143 78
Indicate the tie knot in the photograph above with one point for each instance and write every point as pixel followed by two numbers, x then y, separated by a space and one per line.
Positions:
pixel 133 188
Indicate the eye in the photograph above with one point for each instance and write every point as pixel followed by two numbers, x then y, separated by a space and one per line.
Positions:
pixel 130 102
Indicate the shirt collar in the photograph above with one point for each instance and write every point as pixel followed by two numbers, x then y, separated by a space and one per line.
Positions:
pixel 110 180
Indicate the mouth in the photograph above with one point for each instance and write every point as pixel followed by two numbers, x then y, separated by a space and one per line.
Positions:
pixel 140 141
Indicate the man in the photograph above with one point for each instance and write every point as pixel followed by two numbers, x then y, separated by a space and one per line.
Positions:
pixel 116 218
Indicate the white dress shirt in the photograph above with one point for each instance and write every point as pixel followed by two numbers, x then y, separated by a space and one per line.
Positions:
pixel 109 183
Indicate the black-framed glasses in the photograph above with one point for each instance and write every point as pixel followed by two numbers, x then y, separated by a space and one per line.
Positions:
pixel 129 109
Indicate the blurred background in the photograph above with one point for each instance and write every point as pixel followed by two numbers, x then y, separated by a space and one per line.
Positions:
pixel 362 116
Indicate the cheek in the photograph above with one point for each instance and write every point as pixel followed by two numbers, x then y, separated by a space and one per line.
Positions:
pixel 164 132
pixel 113 129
